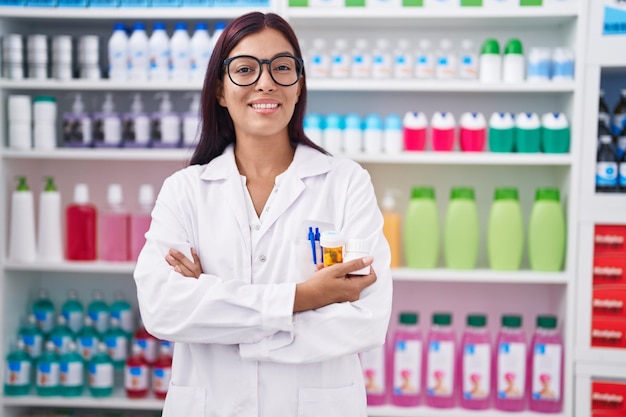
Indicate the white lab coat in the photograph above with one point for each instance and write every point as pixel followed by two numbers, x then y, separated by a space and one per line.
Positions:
pixel 240 350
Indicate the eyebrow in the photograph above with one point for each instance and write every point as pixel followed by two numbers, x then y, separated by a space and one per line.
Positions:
pixel 278 54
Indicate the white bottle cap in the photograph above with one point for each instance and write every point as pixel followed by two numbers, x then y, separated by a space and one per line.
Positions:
pixel 382 44
pixel 361 43
pixel 20 108
pixel 331 239
pixel 341 43
pixel 81 194
pixel 445 44
pixel 114 194
pixel 424 44
pixel 467 44
pixel 403 44
pixel 146 195
pixel 389 202
pixel 357 245
pixel 319 43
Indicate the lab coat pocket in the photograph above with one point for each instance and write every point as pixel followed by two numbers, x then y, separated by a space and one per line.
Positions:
pixel 185 401
pixel 301 265
pixel 331 402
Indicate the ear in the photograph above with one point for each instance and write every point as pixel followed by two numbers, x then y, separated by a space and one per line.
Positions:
pixel 219 94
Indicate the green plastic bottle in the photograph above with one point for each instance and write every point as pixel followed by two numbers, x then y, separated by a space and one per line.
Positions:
pixel 421 229
pixel 117 343
pixel 546 232
pixel 73 311
pixel 32 336
pixel 48 372
pixel 123 312
pixel 88 339
pixel 505 231
pixel 72 372
pixel 61 336
pixel 98 312
pixel 43 309
pixel 101 373
pixel 17 378
pixel 461 230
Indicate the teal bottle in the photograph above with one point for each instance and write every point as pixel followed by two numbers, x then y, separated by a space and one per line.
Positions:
pixel 44 310
pixel 32 337
pixel 117 341
pixel 48 372
pixel 421 229
pixel 461 230
pixel 101 373
pixel 17 380
pixel 61 336
pixel 505 231
pixel 73 311
pixel 87 340
pixel 123 312
pixel 98 312
pixel 72 372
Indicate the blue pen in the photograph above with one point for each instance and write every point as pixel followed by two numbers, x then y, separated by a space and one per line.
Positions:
pixel 312 240
pixel 318 249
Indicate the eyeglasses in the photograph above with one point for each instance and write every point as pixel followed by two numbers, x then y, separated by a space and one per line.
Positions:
pixel 245 70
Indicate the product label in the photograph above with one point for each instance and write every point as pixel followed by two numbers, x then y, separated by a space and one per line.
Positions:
pixel 440 371
pixel 606 174
pixel 319 65
pixel 546 380
pixel 402 66
pixel 117 348
pixel 100 320
pixel 148 348
pixel 74 320
pixel 17 373
pixel 45 320
pixel 72 374
pixel 511 370
pixel 476 371
pixel 373 364
pixel 361 66
pixel 407 367
pixel 136 378
pixel 48 374
pixel 101 375
pixel 424 66
pixel 33 345
pixel 161 379
pixel 61 343
pixel 126 319
pixel 87 347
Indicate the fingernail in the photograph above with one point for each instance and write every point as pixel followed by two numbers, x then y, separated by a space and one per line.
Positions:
pixel 177 269
pixel 368 260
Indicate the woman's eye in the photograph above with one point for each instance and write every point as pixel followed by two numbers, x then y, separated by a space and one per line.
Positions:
pixel 244 70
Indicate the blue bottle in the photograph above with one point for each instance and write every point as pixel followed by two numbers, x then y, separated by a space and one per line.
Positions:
pixel 43 309
pixel 72 372
pixel 73 311
pixel 606 166
pixel 101 373
pixel 48 372
pixel 17 379
pixel 88 339
pixel 61 336
pixel 98 312
pixel 117 341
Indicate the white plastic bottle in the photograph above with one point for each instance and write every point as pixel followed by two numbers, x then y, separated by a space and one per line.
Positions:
pixel 201 49
pixel 138 53
pixel 361 65
pixel 180 61
pixel 313 128
pixel 382 60
pixel 424 61
pixel 217 32
pixel 319 59
pixel 159 49
pixel 118 53
pixel 107 125
pixel 353 135
pixel 45 122
pixel 513 62
pixel 446 61
pixel 77 126
pixel 191 121
pixel 333 133
pixel 373 135
pixel 393 138
pixel 165 124
pixel 20 121
pixel 490 62
pixel 340 59
pixel 49 236
pixel 22 246
pixel 403 60
pixel 136 125
pixel 468 61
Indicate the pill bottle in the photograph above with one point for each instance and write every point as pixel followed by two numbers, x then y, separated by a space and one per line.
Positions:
pixel 332 247
pixel 355 249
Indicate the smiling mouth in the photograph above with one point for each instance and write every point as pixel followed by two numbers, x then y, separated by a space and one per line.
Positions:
pixel 264 106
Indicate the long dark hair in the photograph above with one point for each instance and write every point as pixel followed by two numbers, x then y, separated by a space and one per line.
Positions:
pixel 218 130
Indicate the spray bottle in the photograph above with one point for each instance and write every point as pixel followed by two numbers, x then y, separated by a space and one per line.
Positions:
pixel 165 124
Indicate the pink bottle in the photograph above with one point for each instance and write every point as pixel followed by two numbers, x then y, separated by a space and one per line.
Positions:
pixel 81 223
pixel 473 132
pixel 140 221
pixel 114 228
pixel 414 128
pixel 546 367
pixel 406 362
pixel 443 131
pixel 373 364
pixel 509 366
pixel 440 370
pixel 475 364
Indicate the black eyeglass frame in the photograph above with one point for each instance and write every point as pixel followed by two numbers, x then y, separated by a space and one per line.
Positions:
pixel 299 68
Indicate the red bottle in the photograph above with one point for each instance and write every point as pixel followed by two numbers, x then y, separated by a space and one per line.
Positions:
pixel 162 371
pixel 147 343
pixel 80 220
pixel 136 375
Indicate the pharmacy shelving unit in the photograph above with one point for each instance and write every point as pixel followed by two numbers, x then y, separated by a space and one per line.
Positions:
pixel 460 292
pixel 594 363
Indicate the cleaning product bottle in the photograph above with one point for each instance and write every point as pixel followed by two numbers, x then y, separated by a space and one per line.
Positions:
pixel 136 375
pixel 501 132
pixel 107 125
pixel 117 344
pixel 32 336
pixel 49 236
pixel 461 230
pixel 180 59
pixel 17 380
pixel 445 61
pixel 122 311
pixel 98 312
pixel 191 122
pixel 392 226
pixel 159 50
pixel 138 53
pixel 162 371
pixel 114 227
pixel 546 231
pixel 513 63
pixel 72 372
pixel 406 361
pixel 475 364
pixel 546 367
pixel 509 365
pixel 527 133
pixel 80 222
pixel 118 53
pixel 392 135
pixel 87 339
pixel 373 365
pixel 61 336
pixel 22 246
pixel 165 124
pixel 421 229
pixel 505 231
pixel 136 125
pixel 468 62
pixel 440 362
pixel 353 135
pixel 43 309
pixel 490 62
pixel 424 60
pixel 101 373
pixel 77 125
pixel 415 128
pixel 443 131
pixel 140 220
pixel 473 132
pixel 555 133
pixel 48 372
pixel 146 342
pixel 340 59
pixel 200 49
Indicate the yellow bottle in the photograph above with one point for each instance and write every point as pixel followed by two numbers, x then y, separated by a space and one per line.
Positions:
pixel 392 228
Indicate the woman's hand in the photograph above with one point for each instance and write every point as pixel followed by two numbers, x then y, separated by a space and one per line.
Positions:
pixel 334 284
pixel 183 265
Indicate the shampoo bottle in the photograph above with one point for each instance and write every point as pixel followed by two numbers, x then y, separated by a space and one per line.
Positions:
pixel 421 229
pixel 461 230
pixel 546 232
pixel 114 227
pixel 509 365
pixel 392 228
pixel 546 367
pixel 475 364
pixel 406 362
pixel 49 236
pixel 107 125
pixel 80 221
pixel 22 246
pixel 77 125
pixel 136 125
pixel 440 361
pixel 165 124
pixel 140 220
pixel 505 231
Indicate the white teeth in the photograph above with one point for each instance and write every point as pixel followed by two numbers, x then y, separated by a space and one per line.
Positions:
pixel 264 106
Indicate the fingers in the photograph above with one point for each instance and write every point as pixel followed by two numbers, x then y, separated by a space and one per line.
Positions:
pixel 345 268
pixel 182 264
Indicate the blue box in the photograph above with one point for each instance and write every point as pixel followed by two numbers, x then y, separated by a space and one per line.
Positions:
pixel 166 3
pixel 197 3
pixel 104 3
pixel 41 3
pixel 242 3
pixel 135 3
pixel 73 3
pixel 12 2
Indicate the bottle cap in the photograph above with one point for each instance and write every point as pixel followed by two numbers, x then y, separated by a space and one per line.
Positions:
pixel 467 44
pixel 512 321
pixel 146 194
pixel 514 46
pixel 119 26
pixel 81 194
pixel 353 121
pixel 312 121
pixel 490 47
pixel 415 120
pixel 554 121
pixel 72 294
pixel 476 320
pixel 546 322
pixel 334 121
pixel 506 193
pixel 139 26
pixel 466 193
pixel 389 201
pixel 408 318
pixel 331 239
pixel 341 43
pixel 373 122
pixel 502 120
pixel 114 194
pixel 201 26
pixel 180 26
pixel 393 122
pixel 357 245
pixel 442 319
pixel 50 186
pixel 423 192
pixel 21 184
pixel 547 194
pixel 44 99
pixel 158 26
pixel 220 26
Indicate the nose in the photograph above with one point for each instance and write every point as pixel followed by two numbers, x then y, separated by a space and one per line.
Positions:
pixel 265 81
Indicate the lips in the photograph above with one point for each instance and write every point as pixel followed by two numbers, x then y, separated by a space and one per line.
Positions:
pixel 264 106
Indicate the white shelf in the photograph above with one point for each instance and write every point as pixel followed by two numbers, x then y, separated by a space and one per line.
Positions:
pixel 423 411
pixel 604 208
pixel 91 267
pixel 98 85
pixel 603 356
pixel 117 401
pixel 480 276
pixel 101 154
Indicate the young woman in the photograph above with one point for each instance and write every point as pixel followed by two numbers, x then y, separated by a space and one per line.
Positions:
pixel 227 271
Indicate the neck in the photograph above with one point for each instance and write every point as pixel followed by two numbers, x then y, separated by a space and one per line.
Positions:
pixel 260 159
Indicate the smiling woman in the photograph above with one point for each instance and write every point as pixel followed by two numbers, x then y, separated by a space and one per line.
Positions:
pixel 260 330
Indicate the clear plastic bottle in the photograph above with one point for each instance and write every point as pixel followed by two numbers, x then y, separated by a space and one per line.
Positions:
pixel 382 60
pixel 392 227
pixel 116 341
pixel 98 312
pixel 340 59
pixel 424 60
pixel 403 60
pixel 509 366
pixel 22 240
pixel 61 336
pixel 475 364
pixel 136 375
pixel 446 61
pixel 73 311
pixel 180 59
pixel 319 64
pixel 606 166
pixel 468 61
pixel 72 372
pixel 191 122
pixel 118 53
pixel 81 225
pixel 101 373
pixel 201 48
pixel 48 372
pixel 43 309
pixel 17 380
pixel 406 361
pixel 619 117
pixel 162 371
pixel 361 65
pixel 88 339
pixel 114 227
pixel 146 342
pixel 546 367
pixel 138 53
pixel 32 336
pixel 440 358
pixel 604 115
pixel 159 50
pixel 136 125
pixel 140 220
pixel 122 311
